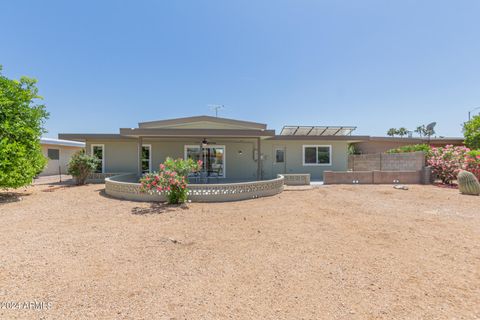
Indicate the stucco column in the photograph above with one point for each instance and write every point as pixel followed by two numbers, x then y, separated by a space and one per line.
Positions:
pixel 139 156
pixel 259 160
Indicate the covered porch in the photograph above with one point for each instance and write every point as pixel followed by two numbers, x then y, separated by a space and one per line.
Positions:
pixel 227 155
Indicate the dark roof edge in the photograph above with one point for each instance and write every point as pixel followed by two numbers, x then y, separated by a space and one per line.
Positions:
pixel 167 132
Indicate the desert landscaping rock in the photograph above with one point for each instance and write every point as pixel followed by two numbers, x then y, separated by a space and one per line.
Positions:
pixel 333 252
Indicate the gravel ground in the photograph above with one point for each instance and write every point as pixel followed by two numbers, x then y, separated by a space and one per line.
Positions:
pixel 334 252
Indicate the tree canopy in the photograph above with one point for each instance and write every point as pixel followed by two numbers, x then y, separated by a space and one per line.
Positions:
pixel 21 126
pixel 471 131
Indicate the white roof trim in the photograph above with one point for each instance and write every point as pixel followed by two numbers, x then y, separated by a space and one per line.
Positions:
pixel 59 142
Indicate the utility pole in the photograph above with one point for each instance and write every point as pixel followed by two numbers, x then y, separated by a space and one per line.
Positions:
pixel 216 107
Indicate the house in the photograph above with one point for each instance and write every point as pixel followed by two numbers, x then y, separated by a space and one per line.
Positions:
pixel 233 150
pixel 58 152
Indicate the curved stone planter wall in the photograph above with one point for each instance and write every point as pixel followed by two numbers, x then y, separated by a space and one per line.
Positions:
pixel 121 187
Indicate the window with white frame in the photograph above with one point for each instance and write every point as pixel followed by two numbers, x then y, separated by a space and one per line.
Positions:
pixel 317 155
pixel 279 155
pixel 146 158
pixel 53 154
pixel 98 151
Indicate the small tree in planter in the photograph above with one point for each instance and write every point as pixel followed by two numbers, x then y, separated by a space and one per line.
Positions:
pixel 81 165
pixel 171 179
pixel 447 161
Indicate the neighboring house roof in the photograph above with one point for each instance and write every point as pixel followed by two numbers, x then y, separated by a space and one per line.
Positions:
pixel 60 142
pixel 189 120
pixel 446 140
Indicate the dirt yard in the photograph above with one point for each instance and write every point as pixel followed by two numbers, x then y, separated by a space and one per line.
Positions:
pixel 334 252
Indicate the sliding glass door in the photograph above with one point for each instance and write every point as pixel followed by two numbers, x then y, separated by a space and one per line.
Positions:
pixel 212 156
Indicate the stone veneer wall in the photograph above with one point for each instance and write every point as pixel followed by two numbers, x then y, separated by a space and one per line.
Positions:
pixel 121 187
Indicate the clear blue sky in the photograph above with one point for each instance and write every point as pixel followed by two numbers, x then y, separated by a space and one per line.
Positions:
pixel 102 65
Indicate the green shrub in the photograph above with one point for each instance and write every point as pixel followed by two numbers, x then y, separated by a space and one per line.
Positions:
pixel 81 165
pixel 21 125
pixel 471 131
pixel 413 148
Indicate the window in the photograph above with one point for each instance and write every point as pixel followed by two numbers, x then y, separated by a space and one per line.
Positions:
pixel 53 154
pixel 279 155
pixel 98 151
pixel 213 158
pixel 146 158
pixel 317 155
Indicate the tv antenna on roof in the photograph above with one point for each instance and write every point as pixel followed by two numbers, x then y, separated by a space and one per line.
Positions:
pixel 431 128
pixel 216 107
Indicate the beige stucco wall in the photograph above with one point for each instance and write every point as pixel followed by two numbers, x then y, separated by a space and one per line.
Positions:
pixel 294 158
pixel 121 156
pixel 54 166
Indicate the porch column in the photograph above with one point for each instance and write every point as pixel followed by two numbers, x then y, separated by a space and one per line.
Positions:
pixel 259 160
pixel 139 156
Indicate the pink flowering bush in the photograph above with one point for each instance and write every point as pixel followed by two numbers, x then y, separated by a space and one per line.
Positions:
pixel 171 179
pixel 447 161
pixel 472 163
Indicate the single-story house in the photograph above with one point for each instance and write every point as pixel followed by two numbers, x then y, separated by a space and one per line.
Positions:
pixel 232 150
pixel 235 150
pixel 58 152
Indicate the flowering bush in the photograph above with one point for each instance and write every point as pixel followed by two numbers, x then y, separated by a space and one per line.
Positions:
pixel 447 161
pixel 472 163
pixel 171 179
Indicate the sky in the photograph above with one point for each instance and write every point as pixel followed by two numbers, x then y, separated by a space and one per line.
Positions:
pixel 102 65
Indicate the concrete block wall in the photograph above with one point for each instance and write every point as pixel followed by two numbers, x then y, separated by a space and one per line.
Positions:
pixel 412 161
pixel 378 177
pixel 364 162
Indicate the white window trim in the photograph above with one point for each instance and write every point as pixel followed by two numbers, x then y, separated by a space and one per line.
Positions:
pixel 208 146
pixel 275 155
pixel 103 154
pixel 316 164
pixel 149 156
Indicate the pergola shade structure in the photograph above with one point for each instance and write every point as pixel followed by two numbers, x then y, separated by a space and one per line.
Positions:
pixel 317 131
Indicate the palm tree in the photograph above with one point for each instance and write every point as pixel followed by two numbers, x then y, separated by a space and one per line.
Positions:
pixel 392 132
pixel 420 130
pixel 402 132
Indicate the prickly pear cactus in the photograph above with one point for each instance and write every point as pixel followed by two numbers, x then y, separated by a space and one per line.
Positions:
pixel 468 183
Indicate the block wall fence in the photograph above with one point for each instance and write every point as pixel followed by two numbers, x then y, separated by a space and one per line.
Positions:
pixel 383 168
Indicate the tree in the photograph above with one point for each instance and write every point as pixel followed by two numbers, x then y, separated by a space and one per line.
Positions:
pixel 402 132
pixel 21 126
pixel 471 132
pixel 81 165
pixel 392 132
pixel 421 130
